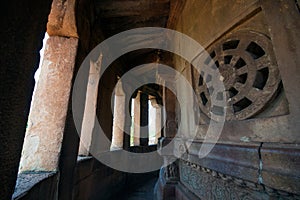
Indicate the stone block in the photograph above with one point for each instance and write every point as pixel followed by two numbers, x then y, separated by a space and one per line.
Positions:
pixel 239 160
pixel 62 19
pixel 280 166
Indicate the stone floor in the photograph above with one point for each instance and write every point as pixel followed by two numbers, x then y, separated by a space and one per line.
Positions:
pixel 142 192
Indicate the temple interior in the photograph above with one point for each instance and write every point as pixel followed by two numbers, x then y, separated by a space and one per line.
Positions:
pixel 150 99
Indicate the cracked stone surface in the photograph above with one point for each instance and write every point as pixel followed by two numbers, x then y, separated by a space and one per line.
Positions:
pixel 26 181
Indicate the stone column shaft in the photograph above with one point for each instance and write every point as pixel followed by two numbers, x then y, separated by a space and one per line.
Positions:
pixel 137 119
pixel 144 132
pixel 119 119
pixel 157 123
pixel 90 109
pixel 169 101
pixel 48 112
pixel 127 124
pixel 157 120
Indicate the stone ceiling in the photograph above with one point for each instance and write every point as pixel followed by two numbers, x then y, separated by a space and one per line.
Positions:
pixel 115 16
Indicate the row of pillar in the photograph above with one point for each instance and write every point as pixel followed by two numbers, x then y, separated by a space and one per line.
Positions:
pixel 122 120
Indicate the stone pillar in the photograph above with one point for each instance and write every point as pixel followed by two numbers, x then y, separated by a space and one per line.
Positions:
pixel 90 108
pixel 157 119
pixel 144 132
pixel 137 118
pixel 64 17
pixel 127 126
pixel 119 118
pixel 187 113
pixel 46 122
pixel 169 100
pixel 22 26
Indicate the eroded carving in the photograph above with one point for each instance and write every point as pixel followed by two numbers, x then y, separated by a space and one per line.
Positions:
pixel 249 72
pixel 172 172
pixel 209 184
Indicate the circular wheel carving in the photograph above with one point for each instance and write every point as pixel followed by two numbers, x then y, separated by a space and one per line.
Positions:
pixel 249 72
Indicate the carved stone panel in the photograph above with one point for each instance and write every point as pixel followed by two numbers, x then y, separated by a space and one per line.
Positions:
pixel 210 184
pixel 248 69
pixel 206 186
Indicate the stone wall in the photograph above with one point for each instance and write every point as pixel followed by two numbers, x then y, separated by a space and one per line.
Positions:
pixel 22 30
pixel 263 145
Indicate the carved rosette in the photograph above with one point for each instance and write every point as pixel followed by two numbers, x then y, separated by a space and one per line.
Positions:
pixel 247 67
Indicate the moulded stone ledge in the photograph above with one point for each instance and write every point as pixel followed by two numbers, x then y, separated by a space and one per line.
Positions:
pixel 280 166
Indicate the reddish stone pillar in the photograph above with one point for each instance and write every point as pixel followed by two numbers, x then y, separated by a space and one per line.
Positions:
pixel 48 112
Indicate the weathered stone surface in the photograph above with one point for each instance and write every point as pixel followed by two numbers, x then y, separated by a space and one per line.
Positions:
pixel 119 118
pixel 137 118
pixel 46 123
pixel 213 18
pixel 274 129
pixel 264 129
pixel 283 31
pixel 206 186
pixel 70 144
pixel 238 160
pixel 104 110
pixel 158 119
pixel 206 21
pixel 23 23
pixel 280 166
pixel 38 185
pixel 90 108
pixel 62 19
pixel 171 124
